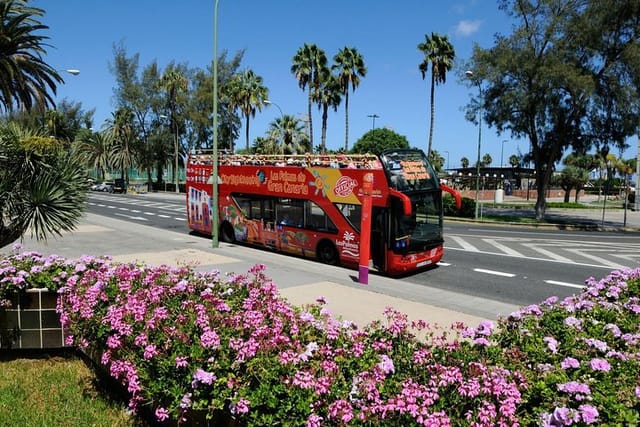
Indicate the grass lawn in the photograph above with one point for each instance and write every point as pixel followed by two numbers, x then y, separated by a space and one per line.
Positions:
pixel 56 391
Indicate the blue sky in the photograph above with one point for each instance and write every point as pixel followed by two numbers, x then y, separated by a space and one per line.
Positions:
pixel 82 35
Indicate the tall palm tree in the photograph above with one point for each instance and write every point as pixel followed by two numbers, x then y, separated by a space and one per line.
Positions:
pixel 42 186
pixel 309 68
pixel 350 66
pixel 248 93
pixel 26 81
pixel 175 84
pixel 94 149
pixel 327 95
pixel 439 53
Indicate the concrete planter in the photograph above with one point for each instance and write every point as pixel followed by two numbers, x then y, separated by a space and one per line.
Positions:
pixel 31 322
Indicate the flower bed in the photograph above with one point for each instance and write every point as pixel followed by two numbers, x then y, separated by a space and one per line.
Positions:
pixel 194 345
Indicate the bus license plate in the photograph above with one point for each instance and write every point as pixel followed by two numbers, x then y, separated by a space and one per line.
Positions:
pixel 423 263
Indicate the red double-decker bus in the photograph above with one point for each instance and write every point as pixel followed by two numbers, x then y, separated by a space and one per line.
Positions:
pixel 310 206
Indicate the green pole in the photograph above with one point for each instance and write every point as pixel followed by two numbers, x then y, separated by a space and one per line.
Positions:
pixel 214 202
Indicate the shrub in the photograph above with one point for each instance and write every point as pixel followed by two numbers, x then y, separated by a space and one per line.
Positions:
pixel 467 209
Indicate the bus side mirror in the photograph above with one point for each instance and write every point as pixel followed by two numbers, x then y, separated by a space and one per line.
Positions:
pixel 454 193
pixel 406 201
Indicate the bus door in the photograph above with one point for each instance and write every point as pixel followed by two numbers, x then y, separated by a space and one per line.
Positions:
pixel 379 237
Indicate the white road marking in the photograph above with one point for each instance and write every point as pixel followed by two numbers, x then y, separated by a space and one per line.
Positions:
pixel 465 245
pixel 495 273
pixel 552 255
pixel 568 285
pixel 507 250
pixel 139 218
pixel 581 253
pixel 444 264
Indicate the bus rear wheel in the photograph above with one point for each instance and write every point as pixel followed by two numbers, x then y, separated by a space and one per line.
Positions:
pixel 226 233
pixel 327 253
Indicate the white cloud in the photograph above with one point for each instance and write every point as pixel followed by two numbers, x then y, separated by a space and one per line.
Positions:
pixel 466 28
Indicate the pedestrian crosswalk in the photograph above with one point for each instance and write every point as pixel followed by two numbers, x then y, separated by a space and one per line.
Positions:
pixel 615 255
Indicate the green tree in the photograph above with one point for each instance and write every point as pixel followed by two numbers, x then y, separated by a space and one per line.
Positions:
pixel 377 140
pixel 42 186
pixel 327 95
pixel 122 136
pixel 26 80
pixel 175 85
pixel 514 160
pixel 437 161
pixel 464 162
pixel 310 69
pixel 349 64
pixel 94 150
pixel 551 80
pixel 439 53
pixel 286 135
pixel 248 93
pixel 571 177
pixel 486 160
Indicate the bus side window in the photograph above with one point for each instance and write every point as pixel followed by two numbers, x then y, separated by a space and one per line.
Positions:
pixel 317 219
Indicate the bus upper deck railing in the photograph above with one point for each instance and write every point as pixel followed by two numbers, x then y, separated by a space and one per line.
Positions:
pixel 349 161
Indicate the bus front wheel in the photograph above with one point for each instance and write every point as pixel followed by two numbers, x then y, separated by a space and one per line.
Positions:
pixel 327 253
pixel 226 233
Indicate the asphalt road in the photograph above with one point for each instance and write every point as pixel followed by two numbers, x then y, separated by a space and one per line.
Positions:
pixel 517 266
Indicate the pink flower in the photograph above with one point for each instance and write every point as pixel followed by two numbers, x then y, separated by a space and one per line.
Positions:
pixel 569 362
pixel 600 365
pixel 209 339
pixel 589 414
pixel 162 414
pixel 386 365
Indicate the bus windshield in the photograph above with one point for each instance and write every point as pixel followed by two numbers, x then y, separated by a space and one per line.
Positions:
pixel 409 170
pixel 423 228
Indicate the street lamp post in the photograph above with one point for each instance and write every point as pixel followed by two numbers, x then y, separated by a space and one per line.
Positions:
pixel 502 153
pixel 373 117
pixel 72 71
pixel 215 220
pixel 469 74
pixel 266 101
pixel 447 158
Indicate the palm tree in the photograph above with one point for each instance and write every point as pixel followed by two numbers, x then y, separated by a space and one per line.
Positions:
pixel 350 66
pixel 309 67
pixel 122 135
pixel 42 186
pixel 327 95
pixel 175 85
pixel 288 134
pixel 248 93
pixel 25 79
pixel 94 149
pixel 439 53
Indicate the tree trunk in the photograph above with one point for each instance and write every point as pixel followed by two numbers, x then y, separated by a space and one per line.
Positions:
pixel 310 147
pixel 324 128
pixel 433 112
pixel 246 135
pixel 346 120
